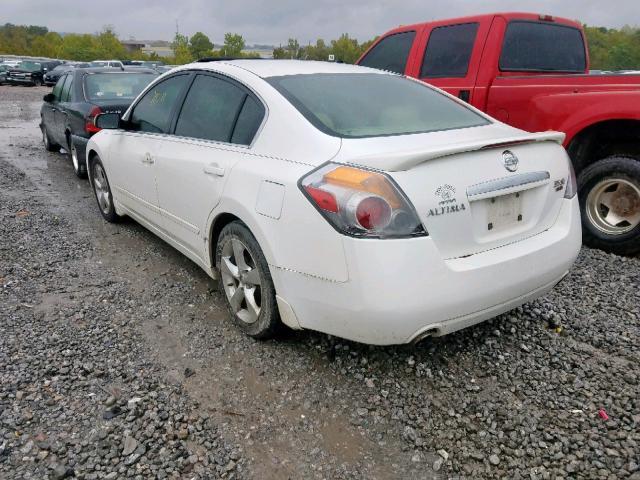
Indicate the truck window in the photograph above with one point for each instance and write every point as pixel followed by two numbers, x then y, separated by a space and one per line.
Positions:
pixel 391 53
pixel 449 51
pixel 542 47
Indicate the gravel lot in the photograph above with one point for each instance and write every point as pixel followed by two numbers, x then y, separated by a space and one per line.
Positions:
pixel 117 360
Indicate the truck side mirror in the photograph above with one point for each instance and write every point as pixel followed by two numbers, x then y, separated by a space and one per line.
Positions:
pixel 49 98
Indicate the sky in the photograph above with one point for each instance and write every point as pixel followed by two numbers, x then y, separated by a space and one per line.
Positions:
pixel 273 22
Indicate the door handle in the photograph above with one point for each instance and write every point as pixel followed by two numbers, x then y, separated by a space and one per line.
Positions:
pixel 214 169
pixel 148 159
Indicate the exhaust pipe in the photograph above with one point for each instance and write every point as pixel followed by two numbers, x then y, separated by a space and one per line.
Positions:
pixel 432 332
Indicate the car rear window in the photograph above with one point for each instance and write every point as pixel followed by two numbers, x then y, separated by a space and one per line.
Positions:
pixel 357 105
pixel 111 86
pixel 390 53
pixel 542 47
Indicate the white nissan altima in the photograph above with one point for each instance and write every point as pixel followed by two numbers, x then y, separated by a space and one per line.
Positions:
pixel 341 199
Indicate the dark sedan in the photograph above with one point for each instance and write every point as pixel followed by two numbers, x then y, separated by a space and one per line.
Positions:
pixel 79 95
pixel 52 77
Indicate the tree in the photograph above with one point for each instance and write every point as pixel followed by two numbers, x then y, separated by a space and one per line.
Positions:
pixel 200 46
pixel 345 49
pixel 107 44
pixel 293 48
pixel 181 52
pixel 233 45
pixel 47 45
pixel 79 47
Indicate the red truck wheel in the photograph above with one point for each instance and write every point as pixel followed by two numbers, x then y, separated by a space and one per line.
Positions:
pixel 609 193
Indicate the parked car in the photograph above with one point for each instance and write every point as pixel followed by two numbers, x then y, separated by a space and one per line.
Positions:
pixel 107 63
pixel 532 71
pixel 339 198
pixel 4 70
pixel 30 73
pixel 79 95
pixel 52 77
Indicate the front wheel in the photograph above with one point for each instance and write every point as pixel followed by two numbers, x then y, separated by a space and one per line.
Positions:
pixel 245 282
pixel 102 191
pixel 609 193
pixel 49 146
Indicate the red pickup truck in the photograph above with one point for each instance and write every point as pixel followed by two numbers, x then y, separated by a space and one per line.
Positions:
pixel 532 71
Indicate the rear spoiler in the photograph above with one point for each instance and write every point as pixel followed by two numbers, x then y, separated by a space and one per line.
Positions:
pixel 395 162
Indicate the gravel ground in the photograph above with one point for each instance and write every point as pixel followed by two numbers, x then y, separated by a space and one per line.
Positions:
pixel 117 360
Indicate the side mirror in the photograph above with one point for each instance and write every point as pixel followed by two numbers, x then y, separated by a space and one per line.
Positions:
pixel 109 121
pixel 49 98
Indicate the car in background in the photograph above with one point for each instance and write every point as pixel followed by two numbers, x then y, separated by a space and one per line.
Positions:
pixel 52 77
pixel 339 198
pixel 79 95
pixel 4 70
pixel 30 73
pixel 107 63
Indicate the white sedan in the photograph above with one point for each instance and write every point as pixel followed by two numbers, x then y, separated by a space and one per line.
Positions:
pixel 341 199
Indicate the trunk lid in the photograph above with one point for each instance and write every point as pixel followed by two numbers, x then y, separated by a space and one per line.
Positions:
pixel 496 186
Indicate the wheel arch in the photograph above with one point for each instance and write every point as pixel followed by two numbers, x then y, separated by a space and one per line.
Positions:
pixel 604 139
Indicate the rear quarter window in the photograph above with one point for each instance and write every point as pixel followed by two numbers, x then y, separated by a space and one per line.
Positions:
pixel 390 53
pixel 542 47
pixel 449 50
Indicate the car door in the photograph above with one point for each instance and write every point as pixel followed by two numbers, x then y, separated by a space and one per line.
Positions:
pixel 59 114
pixel 49 109
pixel 132 157
pixel 213 130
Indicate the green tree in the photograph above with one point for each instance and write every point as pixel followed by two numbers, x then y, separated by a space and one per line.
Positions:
pixel 200 45
pixel 181 52
pixel 47 45
pixel 233 45
pixel 345 49
pixel 79 47
pixel 107 44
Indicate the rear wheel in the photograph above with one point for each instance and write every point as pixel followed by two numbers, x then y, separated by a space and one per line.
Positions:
pixel 102 191
pixel 79 166
pixel 246 283
pixel 609 193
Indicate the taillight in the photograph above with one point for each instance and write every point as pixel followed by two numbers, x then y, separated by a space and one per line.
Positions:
pixel 572 184
pixel 89 126
pixel 361 202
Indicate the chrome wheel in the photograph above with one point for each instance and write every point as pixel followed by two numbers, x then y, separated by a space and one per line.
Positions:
pixel 241 279
pixel 74 157
pixel 613 206
pixel 101 187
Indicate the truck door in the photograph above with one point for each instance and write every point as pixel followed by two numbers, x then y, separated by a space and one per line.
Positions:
pixel 450 58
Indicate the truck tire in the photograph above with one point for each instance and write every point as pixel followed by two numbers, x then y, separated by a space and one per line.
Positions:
pixel 609 194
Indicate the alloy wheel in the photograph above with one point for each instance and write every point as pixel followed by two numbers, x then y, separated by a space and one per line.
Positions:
pixel 74 157
pixel 613 206
pixel 242 281
pixel 101 187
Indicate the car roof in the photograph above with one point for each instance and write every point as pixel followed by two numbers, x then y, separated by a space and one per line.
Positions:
pixel 113 71
pixel 276 68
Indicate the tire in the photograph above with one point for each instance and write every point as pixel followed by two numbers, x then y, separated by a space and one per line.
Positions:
pixel 37 83
pixel 49 146
pixel 79 167
pixel 609 194
pixel 102 191
pixel 243 290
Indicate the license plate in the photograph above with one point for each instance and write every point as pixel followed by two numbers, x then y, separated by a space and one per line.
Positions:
pixel 504 210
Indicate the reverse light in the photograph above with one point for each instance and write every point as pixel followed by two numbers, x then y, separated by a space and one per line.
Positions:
pixel 89 126
pixel 572 184
pixel 361 202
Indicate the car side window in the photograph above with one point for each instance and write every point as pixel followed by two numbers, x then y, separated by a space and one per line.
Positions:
pixel 212 109
pixel 449 51
pixel 57 90
pixel 153 112
pixel 248 121
pixel 65 96
pixel 391 53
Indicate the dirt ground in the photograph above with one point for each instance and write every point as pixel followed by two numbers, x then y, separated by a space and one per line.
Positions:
pixel 521 396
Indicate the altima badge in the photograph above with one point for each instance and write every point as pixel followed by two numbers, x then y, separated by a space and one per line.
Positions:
pixel 447 204
pixel 510 161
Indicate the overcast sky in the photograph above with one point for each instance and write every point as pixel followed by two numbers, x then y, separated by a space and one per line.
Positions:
pixel 274 21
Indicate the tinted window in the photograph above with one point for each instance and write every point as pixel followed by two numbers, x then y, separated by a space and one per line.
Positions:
pixel 542 47
pixel 112 86
pixel 248 122
pixel 449 51
pixel 390 53
pixel 66 89
pixel 57 90
pixel 210 109
pixel 371 104
pixel 153 112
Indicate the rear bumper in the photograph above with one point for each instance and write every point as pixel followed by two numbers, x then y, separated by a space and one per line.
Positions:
pixel 400 289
